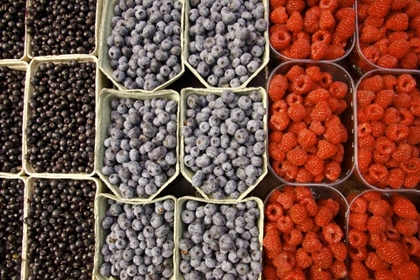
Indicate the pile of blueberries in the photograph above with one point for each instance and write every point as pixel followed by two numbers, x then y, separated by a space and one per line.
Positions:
pixel 140 150
pixel 220 241
pixel 11 227
pixel 224 140
pixel 60 27
pixel 12 29
pixel 227 40
pixel 145 43
pixel 12 85
pixel 140 240
pixel 60 229
pixel 60 133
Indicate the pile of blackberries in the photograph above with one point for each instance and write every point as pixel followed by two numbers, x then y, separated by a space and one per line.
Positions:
pixel 140 240
pixel 61 238
pixel 11 227
pixel 12 85
pixel 60 133
pixel 12 29
pixel 61 27
pixel 140 149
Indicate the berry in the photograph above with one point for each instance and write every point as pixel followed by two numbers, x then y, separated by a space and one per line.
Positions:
pixel 406 270
pixel 286 199
pixel 332 170
pixel 279 15
pixel 384 98
pixel 319 50
pixel 298 213
pixel 335 52
pixel 338 250
pixel 273 211
pixel 359 205
pixel 376 224
pixel 379 207
pixel 406 227
pixel 295 22
pixel 339 269
pixel 311 243
pixel 272 244
pixel 358 221
pixel 378 172
pixel 280 39
pixel 375 263
pixel 399 48
pixel 332 233
pixel 326 149
pixel 357 238
pixel 323 216
pixel 297 156
pixel 403 207
pixel 303 259
pixel 322 258
pixel 277 87
pixel 397 22
pixel 279 121
pixel 293 238
pixel 296 112
pixel 379 9
pixel 396 178
pixel 389 251
pixel 364 97
pixel 358 271
pixel 300 49
pixel 321 111
pixel 411 166
pixel 405 83
pixel 285 261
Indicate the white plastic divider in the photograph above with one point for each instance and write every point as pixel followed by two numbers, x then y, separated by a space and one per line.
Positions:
pixel 104 120
pixel 100 82
pixel 23 66
pixel 185 170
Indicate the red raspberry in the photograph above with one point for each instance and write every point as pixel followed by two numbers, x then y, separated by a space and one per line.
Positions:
pixel 411 166
pixel 375 263
pixel 298 213
pixel 277 3
pixel 364 160
pixel 338 269
pixel 326 149
pixel 371 53
pixel 295 6
pixel 403 207
pixel 364 130
pixel 367 143
pixel 323 216
pixel 407 270
pixel 379 172
pixel 377 22
pixel 277 87
pixel 269 272
pixel 374 112
pixel 279 121
pixel 303 259
pixel 379 8
pixel 398 4
pixel 364 97
pixel 297 156
pixel 293 238
pixel 295 274
pixel 338 250
pixel 326 80
pixel 397 132
pixel 402 100
pixel 300 49
pixel 411 245
pixel 307 225
pixel 286 199
pixel 405 83
pixel 272 244
pixel 317 127
pixel 302 192
pixel 326 20
pixel 319 50
pixel 296 127
pixel 391 115
pixel 275 152
pixel 317 95
pixel 376 224
pixel 359 205
pixel 303 176
pixel 284 261
pixel 399 48
pixel 377 128
pixel 396 178
pixel 278 106
pixel 358 221
pixel 407 117
pixel 397 22
pixel 358 254
pixel 279 15
pixel 280 39
pixel 311 19
pixel 358 271
pixel 389 81
pixel 321 36
pixel 294 98
pixel 275 136
pixel 332 233
pixel 374 239
pixel 273 211
pixel 384 98
pixel 332 170
pixel 412 9
pixel 289 170
pixel 294 72
pixel 411 181
pixel 333 205
pixel 385 145
pixel 370 34
pixel 374 83
pixel 306 138
pixel 295 22
pixel 310 206
pixel 296 112
pixel 285 224
pixel 302 84
pixel 413 135
pixel 334 133
pixel 384 275
pixel 322 258
pixel 387 61
pixel 321 111
pixel 311 242
pixel 407 227
pixel 379 207
pixel 390 252
pixel 357 238
pixel 314 73
pixel 382 46
pixel 338 89
pixel 335 52
pixel 409 61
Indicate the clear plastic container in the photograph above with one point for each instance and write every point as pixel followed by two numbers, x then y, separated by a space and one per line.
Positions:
pixel 185 170
pixel 101 207
pixel 106 30
pixel 186 53
pixel 339 74
pixel 29 90
pixel 104 120
pixel 396 73
pixel 23 66
pixel 182 227
pixel 28 39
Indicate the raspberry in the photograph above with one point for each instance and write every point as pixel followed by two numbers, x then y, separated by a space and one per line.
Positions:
pixel 396 178
pixel 409 61
pixel 411 181
pixel 411 245
pixel 389 81
pixel 357 238
pixel 358 221
pixel 332 170
pixel 298 213
pixel 415 44
pixel 338 250
pixel 295 6
pixel 296 127
pixel 307 225
pixel 397 132
pixel 364 130
pixel 377 128
pixel 405 83
pixel 407 227
pixel 392 234
pixel 300 49
pixel 326 20
pixel 294 72
pixel 303 259
pixel 297 156
pixel 314 72
pixel 335 52
pixel 277 87
pixel 275 136
pixel 317 95
pixel 389 251
pixel 278 106
pixel 310 206
pixel 332 233
pixel 407 117
pixel 310 20
pixel 269 272
pixel 295 22
pixel 333 205
pixel 384 275
pixel 279 121
pixel 322 258
pixel 413 135
pixel 397 22
pixel 399 48
pixel 387 61
pixel 306 138
pixel 358 254
pixel 317 127
pixel 294 98
pixel 411 166
pixel 273 211
pixel 275 152
pixel 380 158
pixel 412 9
pixel 367 143
pixel 319 50
pixel 285 224
pixel 372 54
pixel 279 15
pixel 338 269
pixel 311 243
pixel 379 8
pixel 272 244
pixel 296 112
pixel 323 216
pixel 286 199
pixel 321 36
pixel 277 3
pixel 370 34
pixel 378 207
pixel 374 83
pixel 334 133
pixel 326 80
pixel 402 100
pixel 302 84
pixel 289 170
pixel 295 274
pixel 359 205
pixel 280 39
pixel 385 145
pixel 321 111
pixel 302 192
pixel 375 263
pixel 407 270
pixel 364 97
pixel 374 239
pixel 377 22
pixel 391 115
pixel 284 261
pixel 303 176
pixel 374 112
pixel 403 207
pixel 326 149
pixel 293 238
pixel 384 98
pixel 338 89
pixel 270 228
pixel 358 271
pixel 345 28
pixel 399 4
pixel 379 172
pixel 382 46
pixel 376 224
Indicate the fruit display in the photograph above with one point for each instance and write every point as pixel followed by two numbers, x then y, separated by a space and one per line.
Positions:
pixel 12 85
pixel 383 236
pixel 138 142
pixel 317 30
pixel 227 41
pixel 136 240
pixel 219 240
pixel 223 138
pixel 12 26
pixel 61 28
pixel 304 234
pixel 309 136
pixel 388 34
pixel 59 223
pixel 11 227
pixel 387 129
pixel 142 43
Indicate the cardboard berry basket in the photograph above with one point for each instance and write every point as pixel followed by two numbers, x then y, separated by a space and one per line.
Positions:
pixel 358 172
pixel 22 257
pixel 104 120
pixel 29 189
pixel 348 47
pixel 185 170
pixel 105 60
pixel 182 227
pixel 338 73
pixel 98 13
pixel 100 82
pixel 22 66
pixel 101 208
pixel 186 53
